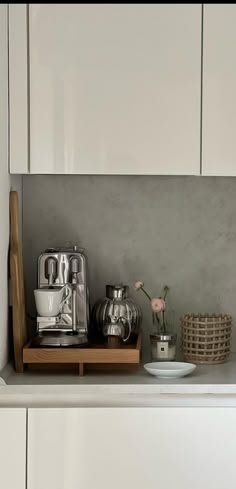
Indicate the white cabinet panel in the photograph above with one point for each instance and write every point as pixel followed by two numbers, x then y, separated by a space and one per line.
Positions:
pixel 132 448
pixel 18 88
pixel 12 448
pixel 115 88
pixel 219 94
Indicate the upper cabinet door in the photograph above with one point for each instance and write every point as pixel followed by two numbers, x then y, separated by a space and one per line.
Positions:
pixel 219 90
pixel 114 88
pixel 18 87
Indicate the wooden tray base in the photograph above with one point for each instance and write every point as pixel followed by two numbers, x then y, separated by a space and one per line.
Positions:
pixel 96 354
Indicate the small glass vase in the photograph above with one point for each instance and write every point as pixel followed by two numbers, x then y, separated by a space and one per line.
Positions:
pixel 163 347
pixel 163 340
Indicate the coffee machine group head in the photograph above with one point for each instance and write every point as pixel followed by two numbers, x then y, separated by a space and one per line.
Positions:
pixel 67 322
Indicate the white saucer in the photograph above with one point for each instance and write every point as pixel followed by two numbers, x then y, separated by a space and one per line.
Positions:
pixel 169 370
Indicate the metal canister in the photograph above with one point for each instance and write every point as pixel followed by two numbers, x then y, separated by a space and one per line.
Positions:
pixel 116 312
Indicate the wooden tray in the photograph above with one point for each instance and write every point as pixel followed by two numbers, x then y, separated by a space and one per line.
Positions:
pixel 96 354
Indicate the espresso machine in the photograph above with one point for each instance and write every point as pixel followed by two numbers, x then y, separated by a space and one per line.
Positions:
pixel 57 268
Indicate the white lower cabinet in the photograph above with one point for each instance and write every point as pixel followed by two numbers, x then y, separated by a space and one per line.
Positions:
pixel 12 448
pixel 131 448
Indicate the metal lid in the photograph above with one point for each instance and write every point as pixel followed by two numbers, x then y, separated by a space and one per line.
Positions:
pixel 64 249
pixel 162 337
pixel 117 291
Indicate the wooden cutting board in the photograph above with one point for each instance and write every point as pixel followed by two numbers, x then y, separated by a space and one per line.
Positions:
pixel 17 283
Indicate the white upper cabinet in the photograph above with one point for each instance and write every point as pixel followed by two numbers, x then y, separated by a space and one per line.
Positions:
pixel 219 90
pixel 113 88
pixel 18 89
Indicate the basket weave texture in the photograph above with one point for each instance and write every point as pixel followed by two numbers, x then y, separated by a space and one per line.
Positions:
pixel 206 338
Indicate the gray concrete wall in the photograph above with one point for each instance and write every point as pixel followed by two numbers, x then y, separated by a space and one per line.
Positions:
pixel 179 231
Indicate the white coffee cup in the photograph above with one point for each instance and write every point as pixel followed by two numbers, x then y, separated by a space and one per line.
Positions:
pixel 50 301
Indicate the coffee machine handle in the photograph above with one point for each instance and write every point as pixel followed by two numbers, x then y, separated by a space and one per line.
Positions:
pixel 67 288
pixel 129 332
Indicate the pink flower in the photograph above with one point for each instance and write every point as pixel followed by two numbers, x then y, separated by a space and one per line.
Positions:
pixel 163 304
pixel 158 305
pixel 138 285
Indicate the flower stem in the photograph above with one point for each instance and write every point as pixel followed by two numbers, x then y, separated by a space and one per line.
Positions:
pixel 153 319
pixel 157 318
pixel 163 322
pixel 166 290
pixel 144 291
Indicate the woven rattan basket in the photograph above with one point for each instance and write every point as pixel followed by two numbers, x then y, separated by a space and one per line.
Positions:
pixel 206 338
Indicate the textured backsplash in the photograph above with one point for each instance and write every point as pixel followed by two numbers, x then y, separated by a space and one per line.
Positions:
pixel 179 231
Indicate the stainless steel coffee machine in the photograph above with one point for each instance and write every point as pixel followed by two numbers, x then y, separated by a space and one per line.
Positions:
pixel 57 268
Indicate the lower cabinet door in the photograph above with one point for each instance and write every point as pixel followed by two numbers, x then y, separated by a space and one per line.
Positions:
pixel 132 448
pixel 12 448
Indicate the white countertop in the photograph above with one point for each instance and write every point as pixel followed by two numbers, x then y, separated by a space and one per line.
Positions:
pixel 213 385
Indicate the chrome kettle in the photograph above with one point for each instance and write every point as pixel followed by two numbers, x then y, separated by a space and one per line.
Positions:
pixel 116 315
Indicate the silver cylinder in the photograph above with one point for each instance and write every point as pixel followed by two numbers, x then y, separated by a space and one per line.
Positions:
pixel 117 291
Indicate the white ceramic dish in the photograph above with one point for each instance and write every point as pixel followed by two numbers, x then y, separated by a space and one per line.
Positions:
pixel 169 370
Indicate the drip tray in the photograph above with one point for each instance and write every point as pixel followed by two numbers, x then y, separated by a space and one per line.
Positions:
pixel 48 339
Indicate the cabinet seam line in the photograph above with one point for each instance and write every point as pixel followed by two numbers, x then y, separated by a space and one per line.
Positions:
pixel 28 87
pixel 8 88
pixel 26 452
pixel 201 89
